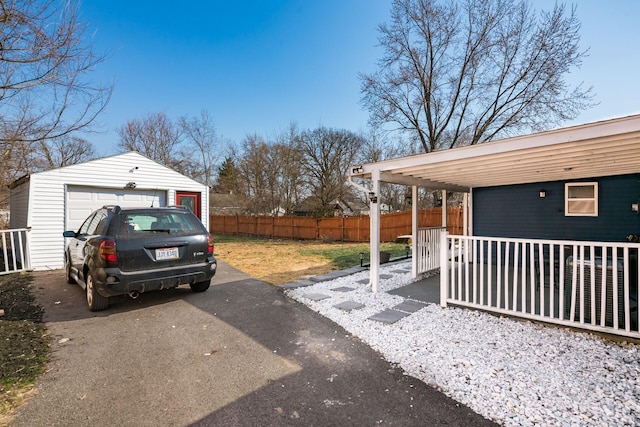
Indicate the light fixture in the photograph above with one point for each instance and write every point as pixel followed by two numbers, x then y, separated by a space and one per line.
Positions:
pixel 407 250
pixel 361 255
pixel 357 169
pixel 372 197
pixel 130 184
pixel 543 193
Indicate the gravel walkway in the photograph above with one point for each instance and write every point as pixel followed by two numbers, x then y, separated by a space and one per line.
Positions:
pixel 514 372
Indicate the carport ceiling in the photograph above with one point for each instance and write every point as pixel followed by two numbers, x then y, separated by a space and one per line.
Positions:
pixel 604 148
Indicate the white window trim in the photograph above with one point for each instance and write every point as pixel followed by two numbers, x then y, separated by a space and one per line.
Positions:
pixel 594 198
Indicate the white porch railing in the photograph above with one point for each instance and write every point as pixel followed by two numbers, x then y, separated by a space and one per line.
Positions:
pixel 428 248
pixel 588 285
pixel 14 251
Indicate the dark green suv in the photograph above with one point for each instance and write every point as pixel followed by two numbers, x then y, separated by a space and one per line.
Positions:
pixel 127 251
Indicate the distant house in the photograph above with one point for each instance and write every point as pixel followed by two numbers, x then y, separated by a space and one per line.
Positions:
pixel 56 200
pixel 343 206
pixel 225 204
pixel 307 207
pixel 349 207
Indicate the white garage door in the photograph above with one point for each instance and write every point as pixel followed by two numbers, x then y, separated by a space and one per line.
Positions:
pixel 81 201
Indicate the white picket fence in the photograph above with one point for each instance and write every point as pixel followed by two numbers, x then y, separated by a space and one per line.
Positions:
pixel 14 251
pixel 587 285
pixel 428 248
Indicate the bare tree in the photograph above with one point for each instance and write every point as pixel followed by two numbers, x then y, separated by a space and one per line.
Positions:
pixel 379 146
pixel 253 176
pixel 289 157
pixel 328 153
pixel 202 146
pixel 63 151
pixel 269 174
pixel 155 136
pixel 45 92
pixel 464 72
pixel 45 89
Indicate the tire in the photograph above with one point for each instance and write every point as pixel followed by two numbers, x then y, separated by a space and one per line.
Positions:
pixel 67 266
pixel 200 286
pixel 95 301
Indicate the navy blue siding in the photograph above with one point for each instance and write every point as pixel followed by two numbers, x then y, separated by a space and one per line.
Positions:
pixel 518 211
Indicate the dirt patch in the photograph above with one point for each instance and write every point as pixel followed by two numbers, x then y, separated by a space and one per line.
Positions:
pixel 23 341
pixel 273 261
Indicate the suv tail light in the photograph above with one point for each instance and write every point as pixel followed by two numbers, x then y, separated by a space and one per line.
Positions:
pixel 209 244
pixel 108 251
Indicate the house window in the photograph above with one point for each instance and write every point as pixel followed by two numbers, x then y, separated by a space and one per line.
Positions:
pixel 581 199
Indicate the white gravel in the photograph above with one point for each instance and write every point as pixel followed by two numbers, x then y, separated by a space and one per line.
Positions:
pixel 514 372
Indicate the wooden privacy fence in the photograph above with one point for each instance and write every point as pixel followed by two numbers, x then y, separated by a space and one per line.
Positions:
pixel 347 229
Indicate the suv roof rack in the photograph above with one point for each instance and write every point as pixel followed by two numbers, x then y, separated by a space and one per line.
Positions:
pixel 177 207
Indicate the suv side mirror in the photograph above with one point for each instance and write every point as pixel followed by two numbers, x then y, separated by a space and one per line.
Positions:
pixel 69 234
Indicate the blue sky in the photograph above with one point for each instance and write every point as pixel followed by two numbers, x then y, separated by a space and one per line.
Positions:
pixel 257 66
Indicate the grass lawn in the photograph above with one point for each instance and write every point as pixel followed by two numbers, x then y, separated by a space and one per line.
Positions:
pixel 283 261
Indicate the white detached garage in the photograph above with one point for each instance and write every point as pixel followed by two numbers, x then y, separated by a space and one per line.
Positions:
pixel 56 200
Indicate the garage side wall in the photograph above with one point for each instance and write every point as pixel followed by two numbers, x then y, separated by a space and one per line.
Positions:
pixel 19 206
pixel 48 196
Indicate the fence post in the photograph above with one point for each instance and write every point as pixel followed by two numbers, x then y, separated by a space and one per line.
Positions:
pixel 444 267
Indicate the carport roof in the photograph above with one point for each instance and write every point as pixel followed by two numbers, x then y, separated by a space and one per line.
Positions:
pixel 605 148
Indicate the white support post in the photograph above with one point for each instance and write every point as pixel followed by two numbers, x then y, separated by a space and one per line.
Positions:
pixel 414 231
pixel 444 208
pixel 465 213
pixel 374 241
pixel 444 267
pixel 470 212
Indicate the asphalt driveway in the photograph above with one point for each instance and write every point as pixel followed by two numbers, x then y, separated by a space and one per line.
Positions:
pixel 239 354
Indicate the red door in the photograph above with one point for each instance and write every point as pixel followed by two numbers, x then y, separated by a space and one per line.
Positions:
pixel 190 200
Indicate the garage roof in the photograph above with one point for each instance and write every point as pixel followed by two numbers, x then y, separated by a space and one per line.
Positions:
pixel 605 148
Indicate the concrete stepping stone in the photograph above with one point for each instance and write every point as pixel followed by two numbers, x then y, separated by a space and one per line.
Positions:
pixel 349 305
pixel 403 271
pixel 409 306
pixel 386 276
pixel 313 296
pixel 299 284
pixel 363 281
pixel 343 289
pixel 389 316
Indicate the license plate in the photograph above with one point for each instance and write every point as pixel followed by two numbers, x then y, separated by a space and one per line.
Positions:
pixel 167 253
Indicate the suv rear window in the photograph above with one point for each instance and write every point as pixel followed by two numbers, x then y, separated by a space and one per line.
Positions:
pixel 169 222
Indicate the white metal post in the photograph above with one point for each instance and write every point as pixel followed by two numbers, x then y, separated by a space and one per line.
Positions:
pixel 470 212
pixel 414 231
pixel 444 267
pixel 374 241
pixel 444 208
pixel 465 214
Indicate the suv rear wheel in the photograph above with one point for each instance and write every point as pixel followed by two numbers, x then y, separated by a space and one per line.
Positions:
pixel 200 286
pixel 96 301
